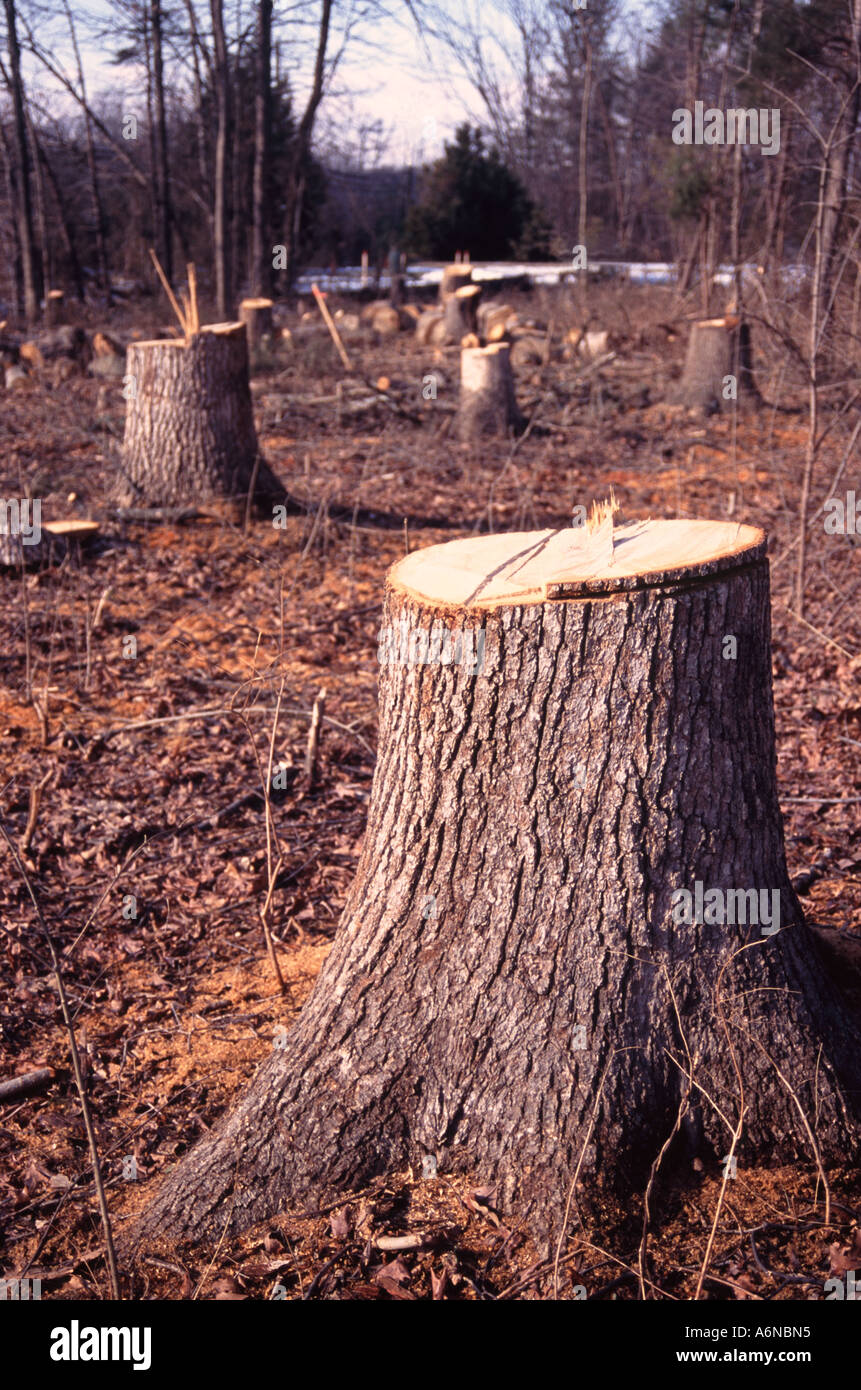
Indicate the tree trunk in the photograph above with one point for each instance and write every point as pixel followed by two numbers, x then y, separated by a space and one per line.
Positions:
pixel 190 432
pixel 256 314
pixel 261 238
pixel 564 748
pixel 718 370
pixel 30 260
pixel 221 212
pixel 302 146
pixel 93 170
pixel 460 313
pixel 487 405
pixel 161 172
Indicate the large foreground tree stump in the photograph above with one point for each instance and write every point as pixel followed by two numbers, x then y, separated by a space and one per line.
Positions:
pixel 718 370
pixel 190 432
pixel 565 749
pixel 487 407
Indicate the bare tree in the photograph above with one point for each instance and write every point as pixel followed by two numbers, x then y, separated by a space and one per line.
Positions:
pixel 31 262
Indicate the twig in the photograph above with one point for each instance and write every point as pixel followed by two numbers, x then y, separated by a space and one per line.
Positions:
pixel 27 1084
pixel 35 803
pixel 169 292
pixel 314 739
pixel 330 324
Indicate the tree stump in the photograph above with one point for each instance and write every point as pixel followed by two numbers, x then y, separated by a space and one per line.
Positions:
pixel 718 349
pixel 53 308
pixel 487 405
pixel 256 314
pixel 565 749
pixel 460 313
pixel 454 277
pixel 190 433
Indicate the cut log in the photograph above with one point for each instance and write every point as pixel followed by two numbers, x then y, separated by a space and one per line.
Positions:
pixel 487 405
pixel 572 936
pixel 386 321
pixel 454 277
pixel 54 308
pixel 256 314
pixel 528 352
pixel 430 328
pixel 190 432
pixel 460 313
pixel 495 320
pixel 718 371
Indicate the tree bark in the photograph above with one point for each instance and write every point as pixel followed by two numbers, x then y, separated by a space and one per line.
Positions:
pixel 510 989
pixel 487 405
pixel 161 173
pixel 221 211
pixel 30 259
pixel 717 349
pixel 261 237
pixel 302 146
pixel 190 432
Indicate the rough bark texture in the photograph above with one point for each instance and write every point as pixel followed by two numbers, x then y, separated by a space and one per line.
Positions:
pixel 190 432
pixel 487 407
pixel 717 348
pixel 527 827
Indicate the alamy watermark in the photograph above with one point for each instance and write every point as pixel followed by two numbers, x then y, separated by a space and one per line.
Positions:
pixel 843 518
pixel 17 519
pixel 715 907
pixel 405 645
pixel 737 126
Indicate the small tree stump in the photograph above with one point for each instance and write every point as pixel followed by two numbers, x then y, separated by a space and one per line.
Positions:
pixel 53 308
pixel 256 314
pixel 460 313
pixel 495 321
pixel 564 750
pixel 718 349
pixel 454 277
pixel 190 432
pixel 487 403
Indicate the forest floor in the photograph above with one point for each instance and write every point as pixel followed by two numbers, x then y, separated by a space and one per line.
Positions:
pixel 149 854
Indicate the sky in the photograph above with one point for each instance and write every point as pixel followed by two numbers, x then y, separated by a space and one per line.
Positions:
pixel 387 75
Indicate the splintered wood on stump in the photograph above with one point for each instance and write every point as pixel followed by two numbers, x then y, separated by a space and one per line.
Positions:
pixel 566 751
pixel 487 405
pixel 718 368
pixel 460 313
pixel 190 432
pixel 256 314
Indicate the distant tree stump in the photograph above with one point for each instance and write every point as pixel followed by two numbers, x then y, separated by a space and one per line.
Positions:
pixel 256 314
pixel 565 748
pixel 487 404
pixel 54 308
pixel 460 313
pixel 190 432
pixel 454 277
pixel 718 349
